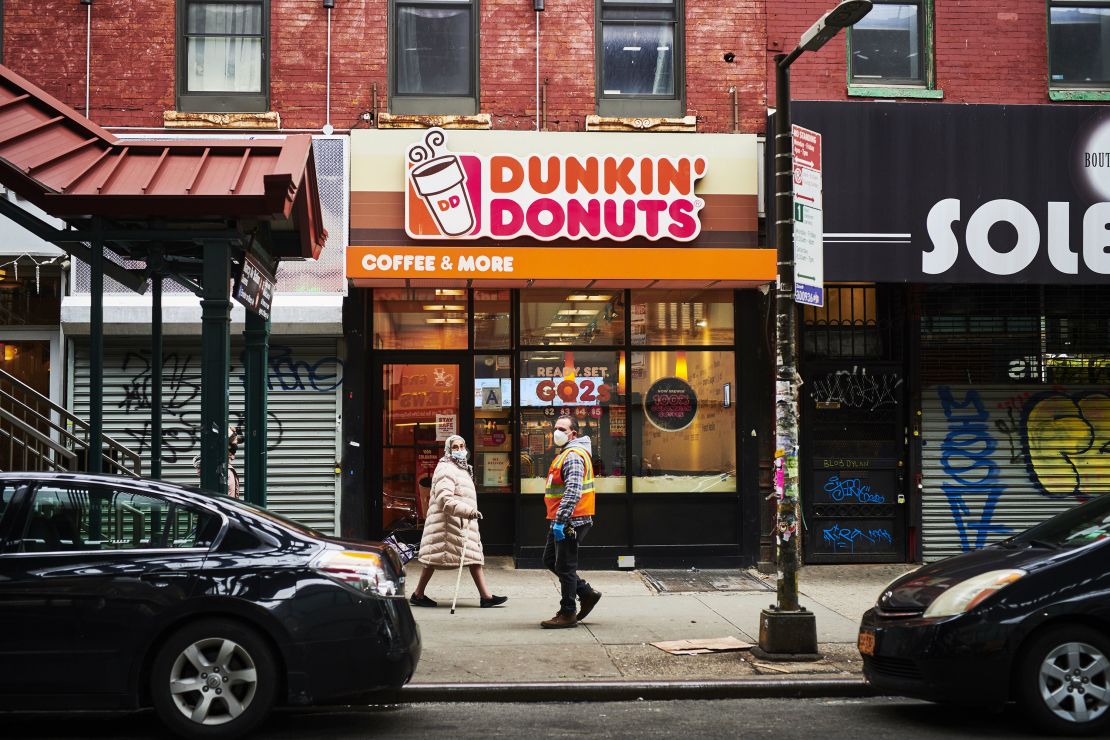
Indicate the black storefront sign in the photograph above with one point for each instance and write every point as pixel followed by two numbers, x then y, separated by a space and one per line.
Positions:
pixel 944 193
pixel 254 286
pixel 671 404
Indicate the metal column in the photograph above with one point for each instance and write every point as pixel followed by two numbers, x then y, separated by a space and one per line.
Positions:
pixel 156 376
pixel 257 363
pixel 95 462
pixel 216 366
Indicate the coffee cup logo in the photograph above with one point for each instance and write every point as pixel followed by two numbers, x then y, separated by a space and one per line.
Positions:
pixel 440 180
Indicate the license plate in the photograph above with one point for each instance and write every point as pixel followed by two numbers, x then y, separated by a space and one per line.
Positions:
pixel 866 642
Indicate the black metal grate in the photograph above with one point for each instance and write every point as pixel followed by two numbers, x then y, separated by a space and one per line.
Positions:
pixel 856 322
pixel 894 667
pixel 1015 334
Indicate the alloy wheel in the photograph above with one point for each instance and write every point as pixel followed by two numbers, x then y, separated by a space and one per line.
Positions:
pixel 1074 681
pixel 213 681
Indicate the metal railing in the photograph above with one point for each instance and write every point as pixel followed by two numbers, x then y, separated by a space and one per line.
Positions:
pixel 38 434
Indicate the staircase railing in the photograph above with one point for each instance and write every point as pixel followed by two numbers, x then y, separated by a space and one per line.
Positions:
pixel 38 434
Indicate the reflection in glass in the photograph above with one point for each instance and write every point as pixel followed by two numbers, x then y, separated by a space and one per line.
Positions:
pixel 492 444
pixel 661 317
pixel 682 408
pixel 223 47
pixel 566 316
pixel 886 45
pixel 1079 42
pixel 419 318
pixel 492 318
pixel 588 385
pixel 433 50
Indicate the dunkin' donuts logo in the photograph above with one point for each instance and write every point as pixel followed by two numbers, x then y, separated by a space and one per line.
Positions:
pixel 556 196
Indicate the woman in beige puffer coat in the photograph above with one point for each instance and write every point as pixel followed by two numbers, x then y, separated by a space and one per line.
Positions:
pixel 451 527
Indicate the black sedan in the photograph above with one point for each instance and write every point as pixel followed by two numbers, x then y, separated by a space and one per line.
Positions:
pixel 1026 620
pixel 118 594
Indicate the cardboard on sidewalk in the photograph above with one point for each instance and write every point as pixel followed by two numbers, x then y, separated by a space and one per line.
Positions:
pixel 701 647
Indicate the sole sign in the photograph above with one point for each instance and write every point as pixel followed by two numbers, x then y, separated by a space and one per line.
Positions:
pixel 809 241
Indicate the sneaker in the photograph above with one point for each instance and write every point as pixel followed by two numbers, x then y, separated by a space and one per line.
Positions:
pixel 561 620
pixel 588 601
pixel 493 601
pixel 421 600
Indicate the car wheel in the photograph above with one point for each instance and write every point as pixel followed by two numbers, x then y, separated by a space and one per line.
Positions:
pixel 213 679
pixel 1064 680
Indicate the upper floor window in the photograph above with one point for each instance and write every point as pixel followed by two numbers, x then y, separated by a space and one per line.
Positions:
pixel 640 58
pixel 1079 43
pixel 222 56
pixel 891 45
pixel 435 57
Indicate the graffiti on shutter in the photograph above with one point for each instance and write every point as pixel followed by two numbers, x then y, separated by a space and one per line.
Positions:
pixel 999 459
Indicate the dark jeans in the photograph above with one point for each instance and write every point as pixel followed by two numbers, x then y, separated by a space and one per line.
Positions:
pixel 561 558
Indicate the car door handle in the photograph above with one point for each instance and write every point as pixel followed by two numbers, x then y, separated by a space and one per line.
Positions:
pixel 161 580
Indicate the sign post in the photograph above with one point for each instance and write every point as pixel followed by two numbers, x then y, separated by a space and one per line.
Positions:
pixel 809 242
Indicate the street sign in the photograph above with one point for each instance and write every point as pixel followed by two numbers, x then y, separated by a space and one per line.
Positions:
pixel 809 235
pixel 254 286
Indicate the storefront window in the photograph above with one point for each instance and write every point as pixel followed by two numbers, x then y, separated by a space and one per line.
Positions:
pixel 420 318
pixel 587 385
pixel 28 300
pixel 683 409
pixel 567 316
pixel 493 327
pixel 661 317
pixel 492 443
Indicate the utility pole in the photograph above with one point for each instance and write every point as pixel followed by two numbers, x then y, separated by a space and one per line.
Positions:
pixel 787 630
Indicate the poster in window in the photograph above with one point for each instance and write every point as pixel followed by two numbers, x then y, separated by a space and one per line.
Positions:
pixel 495 469
pixel 671 404
pixel 426 460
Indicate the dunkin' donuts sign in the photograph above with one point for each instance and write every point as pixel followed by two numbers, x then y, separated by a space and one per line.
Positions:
pixel 593 196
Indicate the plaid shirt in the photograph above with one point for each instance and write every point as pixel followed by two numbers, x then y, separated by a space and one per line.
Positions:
pixel 574 472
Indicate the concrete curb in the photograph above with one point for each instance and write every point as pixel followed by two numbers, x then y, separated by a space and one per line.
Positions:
pixel 598 691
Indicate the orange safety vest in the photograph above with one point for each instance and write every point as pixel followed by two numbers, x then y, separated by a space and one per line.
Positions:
pixel 553 495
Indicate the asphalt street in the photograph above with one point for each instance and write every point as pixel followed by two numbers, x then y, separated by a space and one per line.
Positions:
pixel 756 718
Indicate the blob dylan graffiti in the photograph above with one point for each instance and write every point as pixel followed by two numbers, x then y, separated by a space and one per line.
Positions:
pixel 1058 438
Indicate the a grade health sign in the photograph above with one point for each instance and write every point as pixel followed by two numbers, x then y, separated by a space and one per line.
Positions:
pixel 809 238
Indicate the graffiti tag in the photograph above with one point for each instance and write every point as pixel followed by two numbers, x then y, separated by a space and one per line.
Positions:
pixel 841 488
pixel 856 389
pixel 847 538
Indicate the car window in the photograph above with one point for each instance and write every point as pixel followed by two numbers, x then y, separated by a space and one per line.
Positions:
pixel 1076 527
pixel 7 492
pixel 67 518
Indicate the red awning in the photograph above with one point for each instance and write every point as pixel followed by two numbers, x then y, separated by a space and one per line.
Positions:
pixel 67 165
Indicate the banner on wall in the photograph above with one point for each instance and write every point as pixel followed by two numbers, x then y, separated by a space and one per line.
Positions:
pixel 964 193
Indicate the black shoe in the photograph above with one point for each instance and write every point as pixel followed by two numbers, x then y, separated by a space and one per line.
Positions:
pixel 493 601
pixel 421 601
pixel 588 601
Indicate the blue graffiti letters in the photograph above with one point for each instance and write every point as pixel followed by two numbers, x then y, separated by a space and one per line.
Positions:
pixel 841 488
pixel 974 475
pixel 847 538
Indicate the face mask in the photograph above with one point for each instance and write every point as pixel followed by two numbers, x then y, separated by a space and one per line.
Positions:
pixel 560 437
pixel 459 455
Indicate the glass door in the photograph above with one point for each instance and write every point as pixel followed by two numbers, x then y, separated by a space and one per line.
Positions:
pixel 420 404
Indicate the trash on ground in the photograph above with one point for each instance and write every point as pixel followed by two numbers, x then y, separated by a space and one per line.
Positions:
pixel 701 647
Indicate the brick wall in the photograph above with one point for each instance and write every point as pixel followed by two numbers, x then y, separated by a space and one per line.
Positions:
pixel 134 60
pixel 985 51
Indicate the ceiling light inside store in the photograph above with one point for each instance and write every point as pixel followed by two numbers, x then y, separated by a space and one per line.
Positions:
pixel 449 292
pixel 562 324
pixel 445 307
pixel 585 297
pixel 561 335
pixel 444 321
pixel 579 312
pixel 703 323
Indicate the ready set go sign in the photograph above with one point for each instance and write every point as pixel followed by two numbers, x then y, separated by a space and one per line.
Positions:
pixel 592 196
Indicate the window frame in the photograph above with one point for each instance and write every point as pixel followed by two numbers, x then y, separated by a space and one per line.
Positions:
pixel 926 86
pixel 220 102
pixel 631 106
pixel 27 493
pixel 459 105
pixel 1072 90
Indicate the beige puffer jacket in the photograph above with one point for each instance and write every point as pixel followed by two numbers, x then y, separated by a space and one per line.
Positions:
pixel 452 497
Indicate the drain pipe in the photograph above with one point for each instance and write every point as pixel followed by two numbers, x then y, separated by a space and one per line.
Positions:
pixel 538 6
pixel 329 5
pixel 88 52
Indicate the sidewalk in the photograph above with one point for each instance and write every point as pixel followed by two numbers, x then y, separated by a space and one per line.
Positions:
pixel 507 646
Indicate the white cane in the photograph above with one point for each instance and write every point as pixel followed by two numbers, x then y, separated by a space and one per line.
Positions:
pixel 462 559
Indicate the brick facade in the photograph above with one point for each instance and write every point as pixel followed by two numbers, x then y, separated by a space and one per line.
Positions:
pixel 984 52
pixel 133 62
